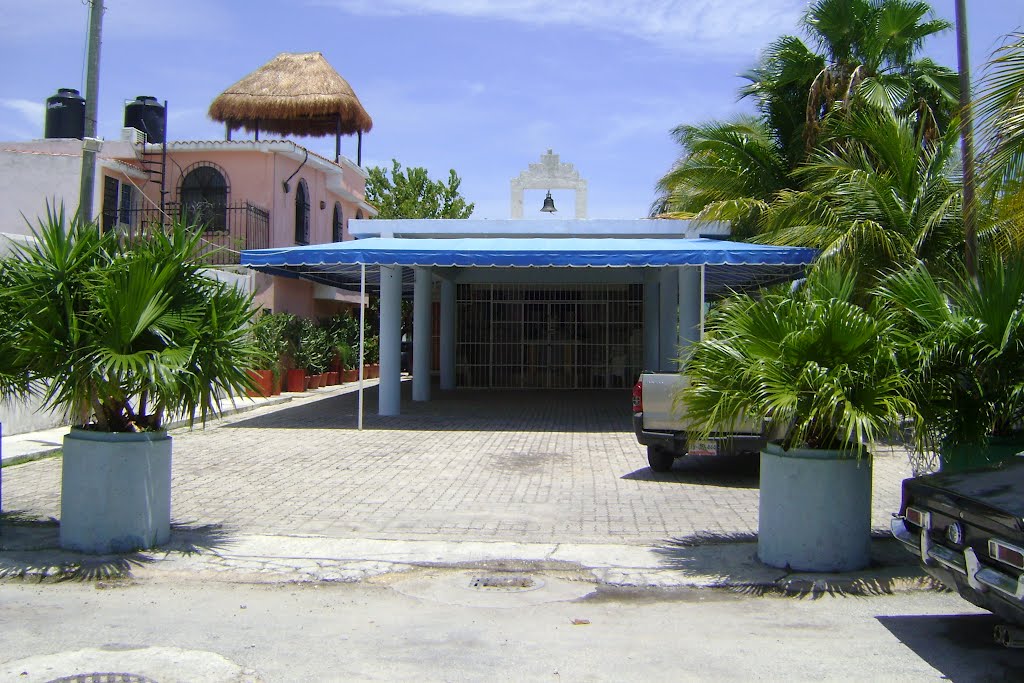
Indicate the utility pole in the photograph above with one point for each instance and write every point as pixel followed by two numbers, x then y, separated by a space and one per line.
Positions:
pixel 90 145
pixel 967 143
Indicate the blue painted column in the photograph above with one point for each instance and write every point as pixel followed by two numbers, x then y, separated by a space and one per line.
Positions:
pixel 390 388
pixel 447 334
pixel 668 316
pixel 421 333
pixel 651 327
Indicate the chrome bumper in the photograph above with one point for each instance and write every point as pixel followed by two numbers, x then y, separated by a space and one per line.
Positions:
pixel 966 564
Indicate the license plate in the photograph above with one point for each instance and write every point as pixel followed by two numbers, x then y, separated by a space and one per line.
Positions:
pixel 702 448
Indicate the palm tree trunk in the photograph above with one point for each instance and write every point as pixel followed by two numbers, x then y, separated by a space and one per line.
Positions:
pixel 967 142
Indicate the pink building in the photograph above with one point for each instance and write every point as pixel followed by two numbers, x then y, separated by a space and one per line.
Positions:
pixel 244 194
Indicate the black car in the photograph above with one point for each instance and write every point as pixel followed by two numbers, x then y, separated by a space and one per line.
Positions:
pixel 967 528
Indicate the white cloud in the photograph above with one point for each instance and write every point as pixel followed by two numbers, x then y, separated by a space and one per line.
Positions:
pixel 32 112
pixel 37 20
pixel 696 27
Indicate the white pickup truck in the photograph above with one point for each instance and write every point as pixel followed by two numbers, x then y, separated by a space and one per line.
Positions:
pixel 661 426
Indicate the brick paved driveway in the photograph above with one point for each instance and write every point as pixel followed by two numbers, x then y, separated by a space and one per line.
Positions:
pixel 469 465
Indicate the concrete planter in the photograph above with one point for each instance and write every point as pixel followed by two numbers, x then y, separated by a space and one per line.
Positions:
pixel 815 510
pixel 115 491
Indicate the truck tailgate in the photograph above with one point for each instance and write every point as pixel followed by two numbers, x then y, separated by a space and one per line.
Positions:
pixel 659 392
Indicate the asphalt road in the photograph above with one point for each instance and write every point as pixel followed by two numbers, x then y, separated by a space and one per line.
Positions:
pixel 430 625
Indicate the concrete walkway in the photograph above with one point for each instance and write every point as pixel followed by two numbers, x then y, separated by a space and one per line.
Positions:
pixel 293 491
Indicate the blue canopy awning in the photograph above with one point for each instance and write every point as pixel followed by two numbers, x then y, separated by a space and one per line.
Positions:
pixel 727 263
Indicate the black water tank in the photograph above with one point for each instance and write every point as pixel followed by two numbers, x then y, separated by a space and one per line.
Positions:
pixel 65 115
pixel 149 116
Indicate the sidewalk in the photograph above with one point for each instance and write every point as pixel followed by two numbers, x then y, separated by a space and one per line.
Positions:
pixel 29 446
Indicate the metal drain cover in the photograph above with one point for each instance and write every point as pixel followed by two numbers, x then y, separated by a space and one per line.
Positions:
pixel 103 678
pixel 505 583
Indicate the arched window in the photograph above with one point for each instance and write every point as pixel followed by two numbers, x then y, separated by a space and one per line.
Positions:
pixel 204 197
pixel 302 213
pixel 338 224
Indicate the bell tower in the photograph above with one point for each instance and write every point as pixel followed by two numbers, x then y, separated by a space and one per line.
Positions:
pixel 549 174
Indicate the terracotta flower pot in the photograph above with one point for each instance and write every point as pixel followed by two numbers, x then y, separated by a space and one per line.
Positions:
pixel 263 379
pixel 350 375
pixel 295 380
pixel 313 381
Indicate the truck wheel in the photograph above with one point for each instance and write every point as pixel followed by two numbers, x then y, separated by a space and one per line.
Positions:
pixel 659 459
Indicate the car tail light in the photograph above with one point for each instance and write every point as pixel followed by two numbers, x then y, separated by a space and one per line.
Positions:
pixel 919 517
pixel 1007 553
pixel 638 397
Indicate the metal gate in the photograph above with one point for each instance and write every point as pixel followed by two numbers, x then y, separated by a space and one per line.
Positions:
pixel 513 336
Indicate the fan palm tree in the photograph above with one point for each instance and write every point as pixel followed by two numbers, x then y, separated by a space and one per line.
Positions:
pixel 963 339
pixel 728 171
pixel 863 50
pixel 819 366
pixel 863 54
pixel 120 335
pixel 874 193
pixel 1000 108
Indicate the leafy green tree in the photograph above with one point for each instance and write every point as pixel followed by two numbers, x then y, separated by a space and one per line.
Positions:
pixel 412 194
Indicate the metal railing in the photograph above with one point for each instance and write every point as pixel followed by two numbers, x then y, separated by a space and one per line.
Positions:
pixel 227 230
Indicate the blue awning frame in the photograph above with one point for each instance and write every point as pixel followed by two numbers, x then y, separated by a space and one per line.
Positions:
pixel 728 266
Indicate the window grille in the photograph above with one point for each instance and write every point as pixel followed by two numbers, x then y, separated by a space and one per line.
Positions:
pixel 549 336
pixel 302 213
pixel 338 224
pixel 204 196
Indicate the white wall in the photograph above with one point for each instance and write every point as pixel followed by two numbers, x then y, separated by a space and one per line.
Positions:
pixel 30 179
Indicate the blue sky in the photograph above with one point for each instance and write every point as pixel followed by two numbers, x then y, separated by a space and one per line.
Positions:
pixel 480 86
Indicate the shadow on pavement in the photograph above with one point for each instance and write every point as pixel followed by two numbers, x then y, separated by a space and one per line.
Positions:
pixel 960 646
pixel 730 560
pixel 463 410
pixel 732 471
pixel 30 549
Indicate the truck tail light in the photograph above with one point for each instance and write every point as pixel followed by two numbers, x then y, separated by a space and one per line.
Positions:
pixel 919 517
pixel 1004 552
pixel 638 397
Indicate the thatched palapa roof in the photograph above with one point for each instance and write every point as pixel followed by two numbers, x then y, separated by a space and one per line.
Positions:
pixel 293 94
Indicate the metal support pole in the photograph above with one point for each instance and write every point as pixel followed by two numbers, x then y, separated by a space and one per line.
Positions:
pixel 362 328
pixel 92 95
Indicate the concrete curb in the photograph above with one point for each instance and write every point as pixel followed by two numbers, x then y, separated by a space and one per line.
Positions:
pixel 32 551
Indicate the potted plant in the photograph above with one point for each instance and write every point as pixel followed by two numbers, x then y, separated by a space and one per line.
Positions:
pixel 313 351
pixel 371 349
pixel 268 336
pixel 822 372
pixel 347 358
pixel 964 343
pixel 121 336
pixel 294 358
